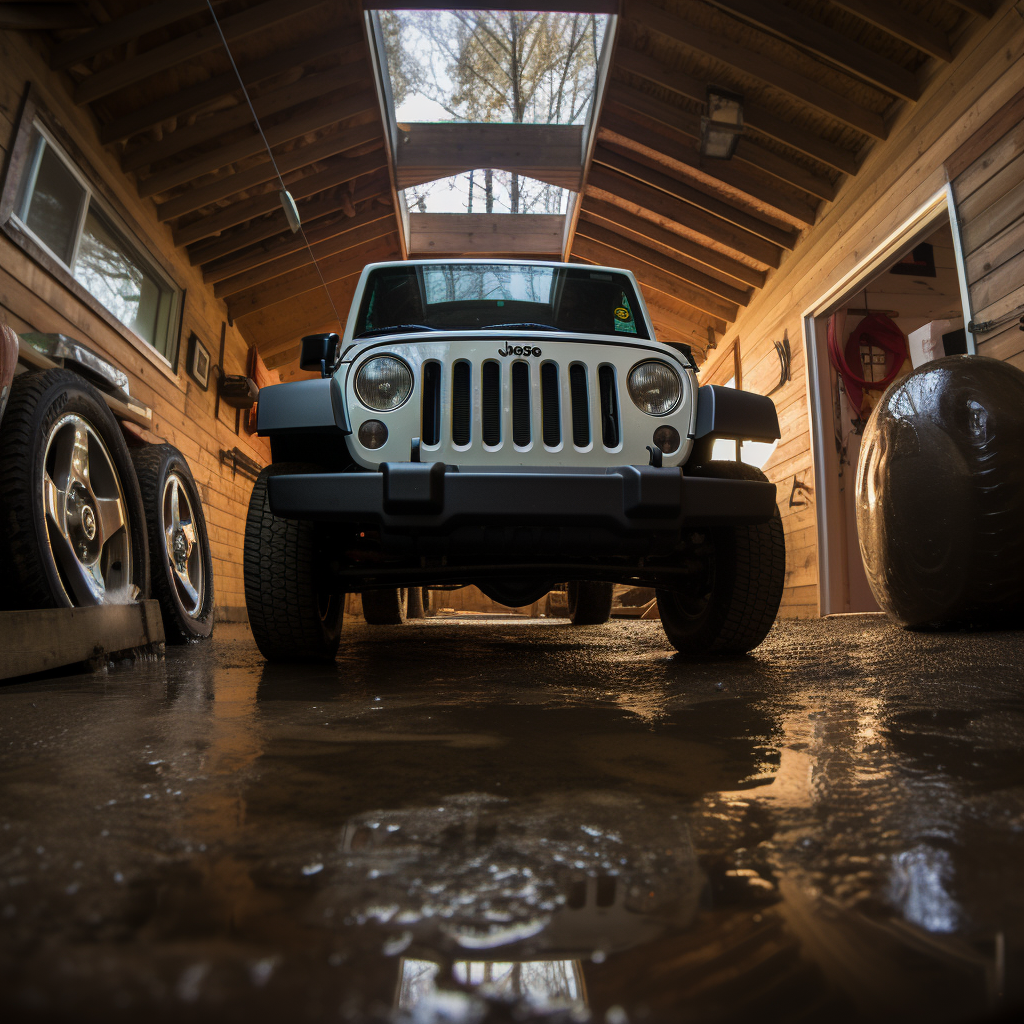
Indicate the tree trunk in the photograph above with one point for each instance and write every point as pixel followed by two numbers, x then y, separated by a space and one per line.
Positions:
pixel 489 190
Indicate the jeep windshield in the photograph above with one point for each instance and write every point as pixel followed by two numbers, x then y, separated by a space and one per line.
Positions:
pixel 471 296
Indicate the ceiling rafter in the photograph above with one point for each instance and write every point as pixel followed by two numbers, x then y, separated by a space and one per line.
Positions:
pixel 674 152
pixel 181 102
pixel 611 185
pixel 217 125
pixel 335 106
pixel 237 213
pixel 900 24
pixel 310 278
pixel 591 228
pixel 121 30
pixel 272 221
pixel 808 91
pixel 827 43
pixel 330 246
pixel 747 151
pixel 754 115
pixel 674 246
pixel 747 222
pixel 291 243
pixel 238 181
pixel 127 72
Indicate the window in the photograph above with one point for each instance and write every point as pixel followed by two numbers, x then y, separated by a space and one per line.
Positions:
pixel 58 208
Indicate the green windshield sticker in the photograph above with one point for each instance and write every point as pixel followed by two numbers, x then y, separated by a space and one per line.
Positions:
pixel 624 317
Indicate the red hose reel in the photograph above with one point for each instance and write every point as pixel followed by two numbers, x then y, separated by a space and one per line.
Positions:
pixel 877 330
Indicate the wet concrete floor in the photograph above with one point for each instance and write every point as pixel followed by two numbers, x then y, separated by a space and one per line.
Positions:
pixel 501 820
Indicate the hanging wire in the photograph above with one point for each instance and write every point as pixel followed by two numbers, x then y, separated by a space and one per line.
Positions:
pixel 284 188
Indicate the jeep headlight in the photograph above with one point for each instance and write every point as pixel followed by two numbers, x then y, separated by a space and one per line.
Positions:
pixel 654 387
pixel 383 383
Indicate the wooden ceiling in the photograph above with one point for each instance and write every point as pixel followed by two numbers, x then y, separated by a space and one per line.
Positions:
pixel 821 81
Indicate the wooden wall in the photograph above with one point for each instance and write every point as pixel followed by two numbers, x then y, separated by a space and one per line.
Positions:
pixel 31 299
pixel 898 178
pixel 988 183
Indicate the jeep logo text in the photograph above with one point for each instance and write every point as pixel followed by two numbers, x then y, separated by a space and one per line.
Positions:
pixel 519 350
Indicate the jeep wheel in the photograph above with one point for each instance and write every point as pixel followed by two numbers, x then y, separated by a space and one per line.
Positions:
pixel 733 601
pixel 385 607
pixel 590 604
pixel 72 529
pixel 182 565
pixel 290 617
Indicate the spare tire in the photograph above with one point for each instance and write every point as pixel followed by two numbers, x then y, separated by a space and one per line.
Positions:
pixel 72 527
pixel 940 495
pixel 182 564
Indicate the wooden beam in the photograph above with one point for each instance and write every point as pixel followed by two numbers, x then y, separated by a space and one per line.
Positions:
pixel 181 101
pixel 902 25
pixel 786 238
pixel 983 8
pixel 267 226
pixel 654 236
pixel 618 186
pixel 293 243
pixel 310 278
pixel 479 233
pixel 218 125
pixel 755 116
pixel 336 107
pixel 747 151
pixel 651 276
pixel 295 159
pixel 121 30
pixel 589 227
pixel 329 247
pixel 237 213
pixel 673 150
pixel 36 17
pixel 827 43
pixel 767 69
pixel 160 58
pixel 549 153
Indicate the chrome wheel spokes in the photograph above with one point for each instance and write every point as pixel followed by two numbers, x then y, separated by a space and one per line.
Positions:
pixel 86 515
pixel 182 547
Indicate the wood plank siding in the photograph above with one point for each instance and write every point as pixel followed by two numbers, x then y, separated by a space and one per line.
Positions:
pixel 34 299
pixel 988 183
pixel 897 178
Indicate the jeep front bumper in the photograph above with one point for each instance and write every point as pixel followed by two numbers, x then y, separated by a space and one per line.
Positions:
pixel 434 498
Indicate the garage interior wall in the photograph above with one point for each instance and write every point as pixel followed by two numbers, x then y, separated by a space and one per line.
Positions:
pixel 31 299
pixel 899 177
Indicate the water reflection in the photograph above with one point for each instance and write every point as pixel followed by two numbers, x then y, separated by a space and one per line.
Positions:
pixel 340 844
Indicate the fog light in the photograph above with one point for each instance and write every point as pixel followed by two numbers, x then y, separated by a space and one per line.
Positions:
pixel 373 434
pixel 667 439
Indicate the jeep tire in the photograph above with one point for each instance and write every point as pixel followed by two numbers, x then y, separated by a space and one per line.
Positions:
pixel 72 527
pixel 730 609
pixel 179 547
pixel 385 607
pixel 590 604
pixel 291 618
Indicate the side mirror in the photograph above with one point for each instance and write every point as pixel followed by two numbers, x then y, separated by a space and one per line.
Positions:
pixel 318 352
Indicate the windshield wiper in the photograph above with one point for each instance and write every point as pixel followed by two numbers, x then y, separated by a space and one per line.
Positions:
pixel 397 329
pixel 516 327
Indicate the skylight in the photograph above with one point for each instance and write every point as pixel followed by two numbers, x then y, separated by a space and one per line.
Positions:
pixel 487 191
pixel 511 67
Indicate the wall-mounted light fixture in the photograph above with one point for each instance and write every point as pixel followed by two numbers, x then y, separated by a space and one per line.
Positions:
pixel 721 129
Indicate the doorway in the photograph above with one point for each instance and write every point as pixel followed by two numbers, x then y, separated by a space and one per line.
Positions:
pixel 912 293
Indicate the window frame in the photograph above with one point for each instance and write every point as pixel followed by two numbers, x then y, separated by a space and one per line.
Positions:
pixel 34 116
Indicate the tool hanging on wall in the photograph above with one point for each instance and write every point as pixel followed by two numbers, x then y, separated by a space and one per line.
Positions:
pixel 785 362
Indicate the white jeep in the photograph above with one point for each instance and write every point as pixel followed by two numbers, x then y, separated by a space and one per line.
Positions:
pixel 514 426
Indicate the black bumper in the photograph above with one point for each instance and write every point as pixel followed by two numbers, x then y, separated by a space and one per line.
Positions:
pixel 432 497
